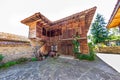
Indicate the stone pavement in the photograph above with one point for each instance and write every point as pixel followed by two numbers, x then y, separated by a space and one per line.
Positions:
pixel 60 69
pixel 111 59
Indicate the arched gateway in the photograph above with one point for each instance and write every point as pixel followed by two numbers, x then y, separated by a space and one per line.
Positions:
pixel 58 35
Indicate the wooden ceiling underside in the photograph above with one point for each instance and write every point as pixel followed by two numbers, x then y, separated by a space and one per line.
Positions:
pixel 115 17
pixel 116 20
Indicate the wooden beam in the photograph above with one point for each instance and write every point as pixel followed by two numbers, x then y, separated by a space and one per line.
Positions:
pixel 72 39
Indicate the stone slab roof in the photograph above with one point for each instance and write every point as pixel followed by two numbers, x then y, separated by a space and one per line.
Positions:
pixel 12 37
pixel 46 21
pixel 35 17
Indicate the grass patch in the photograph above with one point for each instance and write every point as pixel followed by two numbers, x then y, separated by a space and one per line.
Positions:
pixel 1 57
pixel 11 63
pixel 21 60
pixel 18 61
pixel 34 59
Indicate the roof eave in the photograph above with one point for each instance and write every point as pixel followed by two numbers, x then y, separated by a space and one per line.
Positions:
pixel 117 6
pixel 35 17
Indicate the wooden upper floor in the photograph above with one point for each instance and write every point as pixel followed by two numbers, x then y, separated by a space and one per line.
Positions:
pixel 63 29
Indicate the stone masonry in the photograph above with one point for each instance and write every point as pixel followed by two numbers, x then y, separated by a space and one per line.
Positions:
pixel 16 52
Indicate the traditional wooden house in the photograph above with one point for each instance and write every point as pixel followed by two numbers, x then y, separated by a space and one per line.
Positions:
pixel 58 35
pixel 114 20
pixel 113 46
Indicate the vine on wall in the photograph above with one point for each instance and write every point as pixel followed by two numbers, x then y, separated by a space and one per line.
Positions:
pixel 90 56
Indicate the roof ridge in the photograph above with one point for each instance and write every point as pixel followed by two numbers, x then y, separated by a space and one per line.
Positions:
pixel 79 13
pixel 38 16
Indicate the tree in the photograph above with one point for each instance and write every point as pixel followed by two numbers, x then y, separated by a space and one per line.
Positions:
pixel 98 30
pixel 114 31
pixel 114 34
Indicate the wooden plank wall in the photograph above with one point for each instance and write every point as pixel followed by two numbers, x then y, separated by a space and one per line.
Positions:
pixel 32 30
pixel 68 30
pixel 69 26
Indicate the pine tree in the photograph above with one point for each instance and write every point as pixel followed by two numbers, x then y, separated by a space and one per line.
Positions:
pixel 98 30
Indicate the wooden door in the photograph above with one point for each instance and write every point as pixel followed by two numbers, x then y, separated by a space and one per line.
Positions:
pixel 70 49
pixel 67 49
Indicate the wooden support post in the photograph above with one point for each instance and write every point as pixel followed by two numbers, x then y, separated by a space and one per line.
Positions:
pixel 67 31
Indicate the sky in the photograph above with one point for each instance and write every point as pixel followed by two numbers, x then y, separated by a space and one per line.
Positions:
pixel 13 11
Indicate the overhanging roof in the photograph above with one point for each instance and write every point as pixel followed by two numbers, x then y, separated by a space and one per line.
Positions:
pixel 115 17
pixel 44 20
pixel 35 17
pixel 79 14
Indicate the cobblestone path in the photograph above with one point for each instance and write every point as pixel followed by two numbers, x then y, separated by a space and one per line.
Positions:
pixel 60 69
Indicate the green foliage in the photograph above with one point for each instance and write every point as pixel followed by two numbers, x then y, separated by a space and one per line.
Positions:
pixel 10 63
pixel 114 32
pixel 113 37
pixel 76 44
pixel 98 30
pixel 33 59
pixel 7 64
pixel 90 56
pixel 21 60
pixel 1 57
pixel 91 50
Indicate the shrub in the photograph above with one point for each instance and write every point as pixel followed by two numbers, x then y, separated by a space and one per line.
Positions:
pixel 21 60
pixel 85 57
pixel 1 57
pixel 91 49
pixel 33 59
pixel 90 56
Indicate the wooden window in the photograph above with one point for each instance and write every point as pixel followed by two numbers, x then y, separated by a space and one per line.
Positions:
pixel 64 32
pixel 70 33
pixel 43 31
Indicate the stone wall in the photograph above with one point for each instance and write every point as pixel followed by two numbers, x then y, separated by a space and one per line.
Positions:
pixel 115 50
pixel 15 52
pixel 13 47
